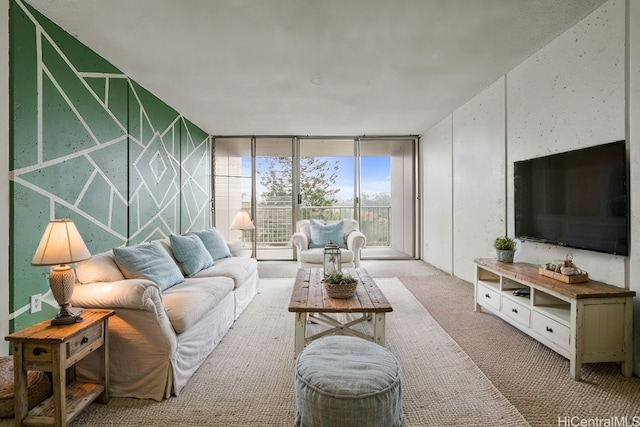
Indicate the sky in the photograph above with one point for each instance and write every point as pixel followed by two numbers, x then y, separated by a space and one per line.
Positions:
pixel 375 175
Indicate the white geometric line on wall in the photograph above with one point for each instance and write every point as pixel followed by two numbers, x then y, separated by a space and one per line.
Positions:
pixel 17 176
pixel 71 106
pixel 54 199
pixel 40 64
pixel 86 186
pixel 160 190
pixel 158 166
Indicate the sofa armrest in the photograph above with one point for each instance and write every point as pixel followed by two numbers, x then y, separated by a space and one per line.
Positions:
pixel 137 294
pixel 300 241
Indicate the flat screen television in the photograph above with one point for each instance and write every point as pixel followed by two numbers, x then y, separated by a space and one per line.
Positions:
pixel 577 199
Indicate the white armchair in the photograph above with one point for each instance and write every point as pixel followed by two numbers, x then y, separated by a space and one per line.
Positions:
pixel 310 253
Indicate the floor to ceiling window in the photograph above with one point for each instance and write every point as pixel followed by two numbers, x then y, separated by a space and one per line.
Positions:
pixel 327 179
pixel 278 180
pixel 274 180
pixel 388 197
pixel 232 187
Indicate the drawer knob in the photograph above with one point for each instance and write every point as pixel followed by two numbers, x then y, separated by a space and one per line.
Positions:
pixel 38 350
pixel 84 340
pixel 515 310
pixel 549 329
pixel 487 296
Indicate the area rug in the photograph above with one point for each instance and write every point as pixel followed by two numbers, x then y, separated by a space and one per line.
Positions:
pixel 248 379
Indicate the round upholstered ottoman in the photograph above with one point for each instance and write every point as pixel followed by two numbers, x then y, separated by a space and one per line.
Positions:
pixel 38 386
pixel 347 381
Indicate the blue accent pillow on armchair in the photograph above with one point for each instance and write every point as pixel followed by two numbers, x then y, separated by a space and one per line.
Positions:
pixel 322 234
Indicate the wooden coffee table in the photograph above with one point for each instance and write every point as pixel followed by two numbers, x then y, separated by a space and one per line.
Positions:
pixel 310 302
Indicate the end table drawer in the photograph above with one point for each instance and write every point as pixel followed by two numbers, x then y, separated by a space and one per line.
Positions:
pixel 488 297
pixel 84 340
pixel 38 352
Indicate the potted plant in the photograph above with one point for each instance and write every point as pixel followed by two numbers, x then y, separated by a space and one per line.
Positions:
pixel 505 248
pixel 340 285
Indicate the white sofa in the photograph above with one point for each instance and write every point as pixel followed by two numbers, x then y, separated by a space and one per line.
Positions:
pixel 348 238
pixel 161 334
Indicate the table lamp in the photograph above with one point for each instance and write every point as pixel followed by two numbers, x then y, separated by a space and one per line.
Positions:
pixel 242 222
pixel 60 245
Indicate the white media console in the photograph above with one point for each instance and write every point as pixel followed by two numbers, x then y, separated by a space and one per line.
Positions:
pixel 585 322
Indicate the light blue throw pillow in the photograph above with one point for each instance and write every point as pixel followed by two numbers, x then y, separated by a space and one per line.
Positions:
pixel 214 243
pixel 148 261
pixel 322 234
pixel 190 253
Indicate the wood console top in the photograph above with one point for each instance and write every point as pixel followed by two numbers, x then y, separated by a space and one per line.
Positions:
pixel 529 273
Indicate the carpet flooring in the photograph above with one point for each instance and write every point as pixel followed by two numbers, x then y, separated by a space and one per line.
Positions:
pixel 248 379
pixel 532 377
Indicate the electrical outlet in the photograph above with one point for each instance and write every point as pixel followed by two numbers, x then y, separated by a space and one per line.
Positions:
pixel 36 303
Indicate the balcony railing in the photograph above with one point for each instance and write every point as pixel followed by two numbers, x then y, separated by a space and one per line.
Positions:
pixel 274 228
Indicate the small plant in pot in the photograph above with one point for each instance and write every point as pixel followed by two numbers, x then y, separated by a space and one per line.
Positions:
pixel 340 285
pixel 505 248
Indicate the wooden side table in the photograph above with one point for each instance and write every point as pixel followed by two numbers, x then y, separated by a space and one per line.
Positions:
pixel 57 349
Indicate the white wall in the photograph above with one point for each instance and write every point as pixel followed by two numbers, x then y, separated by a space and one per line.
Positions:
pixel 570 94
pixel 4 171
pixel 479 182
pixel 437 195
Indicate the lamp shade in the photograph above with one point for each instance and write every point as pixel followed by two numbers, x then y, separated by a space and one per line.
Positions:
pixel 242 222
pixel 60 244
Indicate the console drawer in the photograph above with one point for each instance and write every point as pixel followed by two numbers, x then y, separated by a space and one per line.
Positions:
pixel 550 329
pixel 516 311
pixel 488 297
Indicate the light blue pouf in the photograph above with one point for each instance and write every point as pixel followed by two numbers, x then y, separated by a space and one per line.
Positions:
pixel 347 381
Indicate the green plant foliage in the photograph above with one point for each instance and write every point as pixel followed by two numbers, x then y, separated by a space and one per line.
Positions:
pixel 504 243
pixel 317 183
pixel 338 277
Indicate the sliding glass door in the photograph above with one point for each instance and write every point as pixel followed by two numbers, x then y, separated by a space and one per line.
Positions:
pixel 388 197
pixel 278 180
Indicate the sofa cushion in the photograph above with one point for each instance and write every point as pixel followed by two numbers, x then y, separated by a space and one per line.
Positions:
pixel 214 243
pixel 188 302
pixel 316 256
pixel 190 253
pixel 100 267
pixel 321 234
pixel 148 261
pixel 239 269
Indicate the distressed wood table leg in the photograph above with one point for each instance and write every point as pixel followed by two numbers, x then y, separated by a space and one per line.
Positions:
pixel 300 332
pixel 21 401
pixel 379 328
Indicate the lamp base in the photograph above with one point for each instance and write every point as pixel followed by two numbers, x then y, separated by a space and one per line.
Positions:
pixel 66 317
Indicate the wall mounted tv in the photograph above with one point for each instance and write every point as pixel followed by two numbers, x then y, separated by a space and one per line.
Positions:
pixel 576 199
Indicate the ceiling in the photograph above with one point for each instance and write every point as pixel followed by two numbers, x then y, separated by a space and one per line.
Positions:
pixel 315 67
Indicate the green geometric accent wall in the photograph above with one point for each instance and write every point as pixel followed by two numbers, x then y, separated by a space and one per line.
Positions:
pixel 90 144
